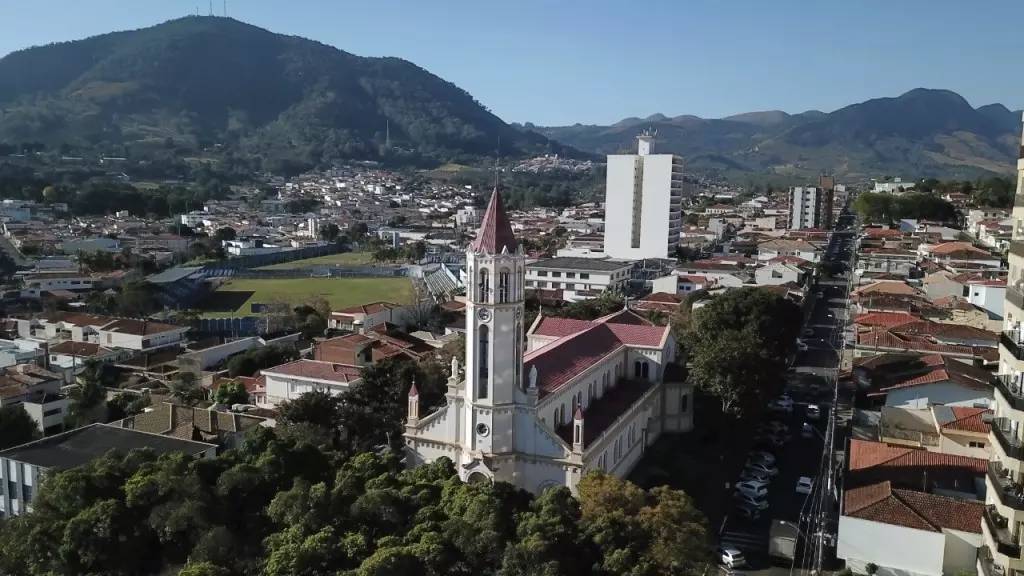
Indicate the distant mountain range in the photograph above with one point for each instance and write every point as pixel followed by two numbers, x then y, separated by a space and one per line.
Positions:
pixel 919 134
pixel 197 84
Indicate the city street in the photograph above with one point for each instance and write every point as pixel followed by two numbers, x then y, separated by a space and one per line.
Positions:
pixel 810 381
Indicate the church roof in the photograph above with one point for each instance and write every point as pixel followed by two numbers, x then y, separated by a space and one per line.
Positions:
pixel 495 234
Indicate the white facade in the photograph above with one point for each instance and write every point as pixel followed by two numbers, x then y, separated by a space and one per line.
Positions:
pixel 578 277
pixel 809 207
pixel 289 381
pixel 776 273
pixel 643 198
pixel 988 297
pixel 900 551
pixel 35 287
pixel 942 393
pixel 500 423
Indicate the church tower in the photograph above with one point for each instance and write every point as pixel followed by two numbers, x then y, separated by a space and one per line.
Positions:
pixel 495 296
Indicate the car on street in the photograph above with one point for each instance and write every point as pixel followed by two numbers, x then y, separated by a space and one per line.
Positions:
pixel 801 346
pixel 729 557
pixel 761 456
pixel 807 431
pixel 778 406
pixel 772 440
pixel 804 485
pixel 774 427
pixel 820 294
pixel 747 499
pixel 752 474
pixel 747 511
pixel 762 468
pixel 813 412
pixel 808 332
pixel 814 388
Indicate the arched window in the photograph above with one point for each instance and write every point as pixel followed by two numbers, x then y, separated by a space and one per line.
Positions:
pixel 646 371
pixel 683 402
pixel 637 369
pixel 561 415
pixel 485 286
pixel 554 419
pixel 573 409
pixel 590 393
pixel 482 372
pixel 579 399
pixel 503 286
pixel 517 368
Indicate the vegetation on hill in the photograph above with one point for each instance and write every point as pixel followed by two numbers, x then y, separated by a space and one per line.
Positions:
pixel 216 87
pixel 921 133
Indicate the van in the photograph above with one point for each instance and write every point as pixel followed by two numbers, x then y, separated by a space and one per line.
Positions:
pixel 753 488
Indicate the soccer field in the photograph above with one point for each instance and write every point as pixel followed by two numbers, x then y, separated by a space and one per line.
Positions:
pixel 343 259
pixel 236 297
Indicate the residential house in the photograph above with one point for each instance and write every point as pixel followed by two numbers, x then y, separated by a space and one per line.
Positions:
pixel 23 468
pixel 226 429
pixel 660 301
pixel 779 271
pixel 39 392
pixel 370 347
pixel 367 316
pixel 912 381
pixel 783 247
pixel 111 332
pixel 69 358
pixel 957 430
pixel 959 255
pixel 724 274
pixel 289 381
pixel 681 284
pixel 895 261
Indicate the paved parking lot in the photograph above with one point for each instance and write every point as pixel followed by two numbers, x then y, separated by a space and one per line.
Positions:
pixel 802 456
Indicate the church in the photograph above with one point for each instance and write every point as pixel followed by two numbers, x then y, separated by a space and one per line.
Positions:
pixel 545 407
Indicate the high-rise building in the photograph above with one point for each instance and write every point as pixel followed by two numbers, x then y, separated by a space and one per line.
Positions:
pixel 810 207
pixel 1002 523
pixel 643 201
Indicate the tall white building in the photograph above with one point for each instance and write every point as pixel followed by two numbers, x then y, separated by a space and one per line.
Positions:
pixel 810 207
pixel 583 395
pixel 643 199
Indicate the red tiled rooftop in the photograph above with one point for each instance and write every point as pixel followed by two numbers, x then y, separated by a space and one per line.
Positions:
pixel 918 510
pixel 872 462
pixel 371 308
pixel 969 420
pixel 562 360
pixel 604 411
pixel 315 369
pixel 886 319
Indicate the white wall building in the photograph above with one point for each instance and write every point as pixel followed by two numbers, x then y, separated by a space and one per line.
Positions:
pixel 107 331
pixel 586 395
pixel 643 198
pixel 809 207
pixel 289 381
pixel 578 278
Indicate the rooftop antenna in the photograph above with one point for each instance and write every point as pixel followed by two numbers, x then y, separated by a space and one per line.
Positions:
pixel 497 162
pixel 225 8
pixel 387 132
pixel 211 7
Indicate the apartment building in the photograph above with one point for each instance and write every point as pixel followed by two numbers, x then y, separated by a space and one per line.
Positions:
pixel 1003 519
pixel 38 391
pixel 108 331
pixel 578 278
pixel 810 207
pixel 643 200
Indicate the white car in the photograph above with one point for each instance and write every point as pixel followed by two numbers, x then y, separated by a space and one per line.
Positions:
pixel 752 501
pixel 762 457
pixel 762 468
pixel 804 485
pixel 801 346
pixel 730 557
pixel 813 412
pixel 751 474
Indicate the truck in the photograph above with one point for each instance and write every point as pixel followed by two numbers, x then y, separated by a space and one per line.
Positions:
pixel 782 540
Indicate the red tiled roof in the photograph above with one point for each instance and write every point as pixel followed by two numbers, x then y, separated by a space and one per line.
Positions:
pixel 315 369
pixel 495 234
pixel 624 317
pixel 789 260
pixel 969 420
pixel 886 319
pixel 371 308
pixel 79 349
pixel 662 297
pixel 562 360
pixel 636 335
pixel 910 509
pixel 872 462
pixel 560 327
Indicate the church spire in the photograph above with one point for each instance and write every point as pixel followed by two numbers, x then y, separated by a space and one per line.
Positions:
pixel 495 234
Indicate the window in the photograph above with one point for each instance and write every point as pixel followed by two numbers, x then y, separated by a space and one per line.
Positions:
pixel 574 406
pixel 543 273
pixel 484 341
pixel 570 274
pixel 52 412
pixel 590 393
pixel 27 493
pixel 561 416
pixel 637 369
pixel 484 286
pixel 570 286
pixel 529 283
pixel 776 274
pixel 584 276
pixel 542 284
pixel 683 402
pixel 503 285
pixel 646 371
pixel 976 444
pixel 556 274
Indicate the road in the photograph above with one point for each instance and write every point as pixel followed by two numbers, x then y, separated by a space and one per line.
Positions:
pixel 810 381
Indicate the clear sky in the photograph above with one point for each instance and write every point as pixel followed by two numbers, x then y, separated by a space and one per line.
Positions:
pixel 598 61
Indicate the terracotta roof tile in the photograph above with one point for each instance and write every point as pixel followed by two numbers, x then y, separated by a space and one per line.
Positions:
pixel 663 297
pixel 887 319
pixel 968 420
pixel 872 462
pixel 318 370
pixel 495 234
pixel 562 360
pixel 910 509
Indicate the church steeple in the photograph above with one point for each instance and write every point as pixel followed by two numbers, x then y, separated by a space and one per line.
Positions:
pixel 495 235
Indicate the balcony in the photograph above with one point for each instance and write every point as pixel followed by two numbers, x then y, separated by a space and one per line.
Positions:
pixel 1011 340
pixel 1010 493
pixel 1005 543
pixel 1014 295
pixel 1013 447
pixel 1017 248
pixel 987 565
pixel 1011 388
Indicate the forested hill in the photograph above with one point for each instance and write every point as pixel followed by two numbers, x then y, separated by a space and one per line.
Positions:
pixel 213 83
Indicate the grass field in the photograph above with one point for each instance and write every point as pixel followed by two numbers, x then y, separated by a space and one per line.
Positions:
pixel 343 259
pixel 235 297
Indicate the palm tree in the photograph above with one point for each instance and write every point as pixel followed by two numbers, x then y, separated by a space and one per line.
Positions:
pixel 82 258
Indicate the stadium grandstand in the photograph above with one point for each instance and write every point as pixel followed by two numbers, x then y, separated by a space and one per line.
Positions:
pixel 180 287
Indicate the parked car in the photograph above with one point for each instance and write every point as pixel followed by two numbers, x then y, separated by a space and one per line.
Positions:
pixel 804 485
pixel 754 475
pixel 814 388
pixel 753 488
pixel 801 346
pixel 729 557
pixel 761 456
pixel 759 503
pixel 774 427
pixel 747 511
pixel 813 412
pixel 772 440
pixel 820 294
pixel 807 431
pixel 808 332
pixel 762 468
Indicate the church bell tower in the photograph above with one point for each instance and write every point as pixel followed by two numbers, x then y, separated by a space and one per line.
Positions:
pixel 495 295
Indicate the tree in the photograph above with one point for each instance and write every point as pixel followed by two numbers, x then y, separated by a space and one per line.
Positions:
pixel 185 389
pixel 737 345
pixel 225 234
pixel 16 426
pixel 230 393
pixel 88 397
pixel 329 232
pixel 357 231
pixel 318 409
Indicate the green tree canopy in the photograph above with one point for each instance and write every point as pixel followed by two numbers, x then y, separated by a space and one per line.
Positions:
pixel 16 426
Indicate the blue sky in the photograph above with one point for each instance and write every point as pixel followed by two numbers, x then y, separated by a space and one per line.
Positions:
pixel 598 61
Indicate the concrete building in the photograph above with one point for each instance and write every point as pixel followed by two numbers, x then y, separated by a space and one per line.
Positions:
pixel 289 381
pixel 810 207
pixel 643 200
pixel 38 391
pixel 23 468
pixel 583 396
pixel 111 332
pixel 578 278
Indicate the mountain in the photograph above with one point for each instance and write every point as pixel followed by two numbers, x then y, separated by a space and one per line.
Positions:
pixel 201 82
pixel 921 133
